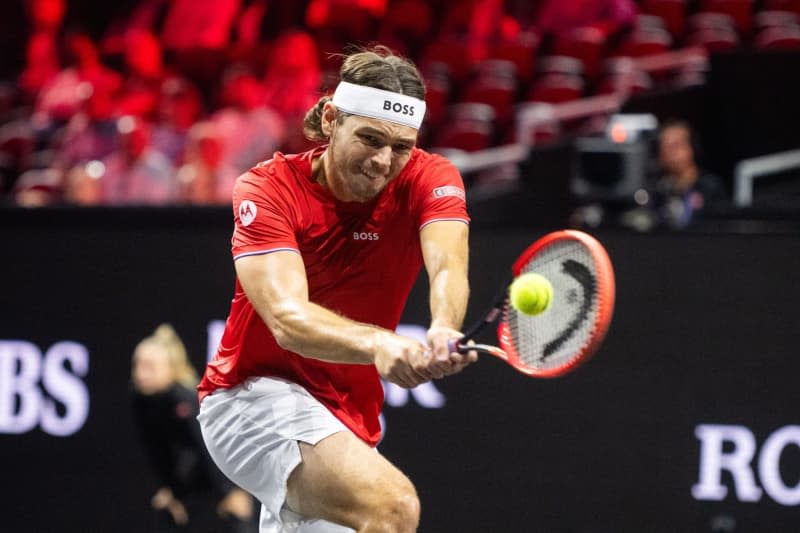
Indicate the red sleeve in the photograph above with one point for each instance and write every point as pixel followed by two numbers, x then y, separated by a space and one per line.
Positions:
pixel 438 191
pixel 263 213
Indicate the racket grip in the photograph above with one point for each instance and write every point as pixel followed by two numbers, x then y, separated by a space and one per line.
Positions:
pixel 456 346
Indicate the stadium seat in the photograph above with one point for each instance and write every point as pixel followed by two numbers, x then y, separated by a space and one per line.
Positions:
pixel 770 18
pixel 741 11
pixel 407 25
pixel 469 127
pixel 779 38
pixel 437 98
pixel 672 12
pixel 495 93
pixel 623 76
pixel 714 21
pixel 645 41
pixel 522 53
pixel 560 65
pixel 715 39
pixel 783 5
pixel 556 88
pixel 453 53
pixel 585 44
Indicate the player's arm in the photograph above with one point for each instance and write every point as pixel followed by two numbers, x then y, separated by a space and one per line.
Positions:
pixel 276 285
pixel 445 251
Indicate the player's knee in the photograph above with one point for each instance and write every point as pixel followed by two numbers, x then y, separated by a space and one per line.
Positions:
pixel 399 510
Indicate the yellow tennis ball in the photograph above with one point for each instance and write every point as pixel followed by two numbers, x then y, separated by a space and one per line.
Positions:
pixel 530 293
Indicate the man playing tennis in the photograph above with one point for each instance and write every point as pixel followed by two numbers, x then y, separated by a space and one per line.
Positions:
pixel 327 245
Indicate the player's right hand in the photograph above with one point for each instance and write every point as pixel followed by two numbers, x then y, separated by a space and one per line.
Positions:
pixel 403 361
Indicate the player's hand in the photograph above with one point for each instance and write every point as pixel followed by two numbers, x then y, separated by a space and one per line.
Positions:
pixel 403 361
pixel 237 503
pixel 444 361
pixel 164 499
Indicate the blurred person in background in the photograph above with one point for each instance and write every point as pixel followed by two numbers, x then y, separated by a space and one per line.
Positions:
pixel 136 173
pixel 144 75
pixel 248 129
pixel 42 49
pixel 478 22
pixel 557 17
pixel 683 188
pixel 179 108
pixel 82 186
pixel 204 178
pixel 164 405
pixel 291 83
pixel 196 35
pixel 84 85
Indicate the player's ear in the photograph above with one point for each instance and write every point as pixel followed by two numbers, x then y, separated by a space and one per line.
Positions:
pixel 328 118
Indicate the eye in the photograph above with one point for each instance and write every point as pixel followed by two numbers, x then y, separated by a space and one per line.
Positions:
pixel 401 148
pixel 370 140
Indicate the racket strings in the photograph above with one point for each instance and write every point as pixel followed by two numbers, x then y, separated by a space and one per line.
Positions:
pixel 552 338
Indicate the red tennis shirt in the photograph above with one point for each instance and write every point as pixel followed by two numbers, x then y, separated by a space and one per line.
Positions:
pixel 361 260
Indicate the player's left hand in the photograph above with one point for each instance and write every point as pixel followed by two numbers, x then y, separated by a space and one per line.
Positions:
pixel 443 361
pixel 236 503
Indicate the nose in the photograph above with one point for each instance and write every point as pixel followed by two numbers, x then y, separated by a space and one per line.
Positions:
pixel 382 158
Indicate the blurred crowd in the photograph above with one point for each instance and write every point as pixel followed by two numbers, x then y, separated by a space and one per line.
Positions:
pixel 175 98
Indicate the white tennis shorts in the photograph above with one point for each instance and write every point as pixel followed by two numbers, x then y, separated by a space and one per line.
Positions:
pixel 252 433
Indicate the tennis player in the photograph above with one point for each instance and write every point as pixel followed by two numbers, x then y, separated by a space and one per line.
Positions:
pixel 327 245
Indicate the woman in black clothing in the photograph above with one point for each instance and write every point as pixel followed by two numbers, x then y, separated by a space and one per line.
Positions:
pixel 165 407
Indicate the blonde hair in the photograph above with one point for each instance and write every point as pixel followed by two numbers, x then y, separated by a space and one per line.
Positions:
pixel 166 337
pixel 376 67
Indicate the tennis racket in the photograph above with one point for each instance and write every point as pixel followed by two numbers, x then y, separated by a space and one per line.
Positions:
pixel 572 327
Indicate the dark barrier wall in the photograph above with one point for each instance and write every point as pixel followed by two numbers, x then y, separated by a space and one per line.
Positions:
pixel 686 420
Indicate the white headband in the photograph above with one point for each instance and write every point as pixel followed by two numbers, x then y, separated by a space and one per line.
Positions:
pixel 377 103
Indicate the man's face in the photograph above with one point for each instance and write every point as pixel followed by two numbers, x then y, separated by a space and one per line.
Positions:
pixel 675 150
pixel 365 154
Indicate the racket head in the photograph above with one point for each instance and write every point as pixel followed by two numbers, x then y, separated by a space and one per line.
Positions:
pixel 570 330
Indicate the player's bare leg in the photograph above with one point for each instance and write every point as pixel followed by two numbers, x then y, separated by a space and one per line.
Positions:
pixel 344 481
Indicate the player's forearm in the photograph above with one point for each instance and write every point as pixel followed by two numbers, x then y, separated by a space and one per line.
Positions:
pixel 449 294
pixel 313 331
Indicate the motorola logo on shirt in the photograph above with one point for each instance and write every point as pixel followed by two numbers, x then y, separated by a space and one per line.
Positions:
pixel 247 212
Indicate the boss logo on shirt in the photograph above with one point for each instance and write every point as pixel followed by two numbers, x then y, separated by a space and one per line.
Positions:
pixel 403 109
pixel 365 236
pixel 247 212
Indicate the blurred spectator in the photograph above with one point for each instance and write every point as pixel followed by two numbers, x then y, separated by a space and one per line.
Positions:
pixel 248 130
pixel 164 405
pixel 340 21
pixel 199 24
pixel 85 85
pixel 291 83
pixel 196 33
pixel 136 173
pixel 38 188
pixel 179 108
pixel 42 50
pixel 143 77
pixel 292 75
pixel 249 23
pixel 683 188
pixel 478 22
pixel 82 185
pixel 82 140
pixel 41 64
pixel 557 17
pixel 205 177
pixel 143 15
